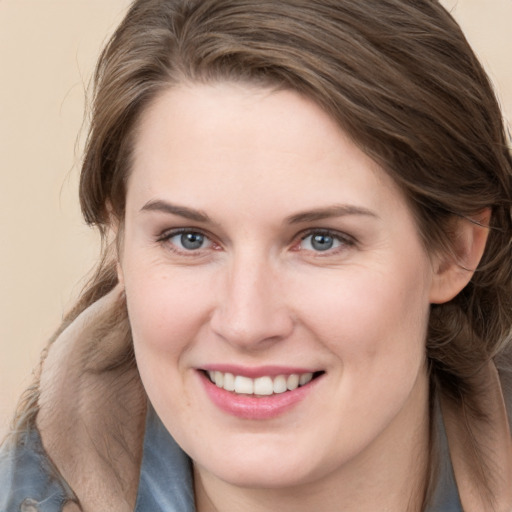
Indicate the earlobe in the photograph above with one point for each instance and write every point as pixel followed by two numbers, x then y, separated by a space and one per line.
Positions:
pixel 120 276
pixel 454 270
pixel 115 240
pixel 118 242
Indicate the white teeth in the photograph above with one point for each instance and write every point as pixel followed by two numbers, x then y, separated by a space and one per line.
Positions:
pixel 229 382
pixel 292 382
pixel 305 378
pixel 261 386
pixel 280 384
pixel 244 385
pixel 219 379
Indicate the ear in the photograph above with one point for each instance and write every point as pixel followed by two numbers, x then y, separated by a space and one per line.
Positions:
pixel 115 238
pixel 120 274
pixel 454 270
pixel 118 241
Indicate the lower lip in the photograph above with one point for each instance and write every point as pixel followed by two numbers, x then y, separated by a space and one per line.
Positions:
pixel 255 408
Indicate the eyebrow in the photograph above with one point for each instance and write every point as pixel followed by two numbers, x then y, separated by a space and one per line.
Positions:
pixel 331 211
pixel 159 205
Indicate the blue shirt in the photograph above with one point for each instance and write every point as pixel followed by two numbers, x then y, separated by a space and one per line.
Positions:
pixel 30 481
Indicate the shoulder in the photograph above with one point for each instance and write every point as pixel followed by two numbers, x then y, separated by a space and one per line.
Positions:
pixel 29 482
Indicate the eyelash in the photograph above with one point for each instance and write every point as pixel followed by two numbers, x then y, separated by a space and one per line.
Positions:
pixel 165 238
pixel 345 241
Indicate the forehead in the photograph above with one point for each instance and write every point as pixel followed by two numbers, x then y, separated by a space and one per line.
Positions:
pixel 228 141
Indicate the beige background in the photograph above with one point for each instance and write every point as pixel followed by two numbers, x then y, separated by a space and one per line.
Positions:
pixel 47 51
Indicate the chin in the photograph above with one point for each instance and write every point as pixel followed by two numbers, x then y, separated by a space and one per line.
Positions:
pixel 260 478
pixel 275 470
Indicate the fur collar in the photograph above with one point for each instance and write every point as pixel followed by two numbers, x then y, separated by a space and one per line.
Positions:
pixel 92 410
pixel 91 419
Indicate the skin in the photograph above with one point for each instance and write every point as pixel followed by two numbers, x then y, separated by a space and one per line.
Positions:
pixel 258 293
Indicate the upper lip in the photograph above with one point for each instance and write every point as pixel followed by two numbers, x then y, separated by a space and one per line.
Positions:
pixel 257 371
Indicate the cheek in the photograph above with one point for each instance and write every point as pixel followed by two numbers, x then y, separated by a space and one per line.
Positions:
pixel 369 317
pixel 165 307
pixel 166 314
pixel 375 326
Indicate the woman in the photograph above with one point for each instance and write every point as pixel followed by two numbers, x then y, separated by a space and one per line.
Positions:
pixel 306 285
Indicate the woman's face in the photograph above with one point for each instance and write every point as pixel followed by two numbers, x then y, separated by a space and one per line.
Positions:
pixel 264 251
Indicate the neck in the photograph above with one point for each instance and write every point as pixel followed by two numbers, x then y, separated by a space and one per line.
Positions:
pixel 390 475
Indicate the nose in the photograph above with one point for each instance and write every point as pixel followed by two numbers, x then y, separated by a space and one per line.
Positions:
pixel 251 309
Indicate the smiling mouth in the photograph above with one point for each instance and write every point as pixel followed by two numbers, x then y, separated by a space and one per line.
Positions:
pixel 260 386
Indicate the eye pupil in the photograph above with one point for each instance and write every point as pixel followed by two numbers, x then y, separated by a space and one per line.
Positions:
pixel 192 241
pixel 321 242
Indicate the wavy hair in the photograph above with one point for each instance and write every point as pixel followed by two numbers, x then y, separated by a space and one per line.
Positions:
pixel 399 78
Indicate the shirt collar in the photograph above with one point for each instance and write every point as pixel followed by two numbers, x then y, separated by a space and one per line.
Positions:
pixel 166 481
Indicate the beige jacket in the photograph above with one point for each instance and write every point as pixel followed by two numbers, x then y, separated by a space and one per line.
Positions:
pixel 91 420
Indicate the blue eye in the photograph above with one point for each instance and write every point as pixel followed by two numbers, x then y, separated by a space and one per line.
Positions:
pixel 319 241
pixel 189 240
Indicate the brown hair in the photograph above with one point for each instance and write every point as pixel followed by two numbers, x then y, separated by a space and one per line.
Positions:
pixel 397 75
